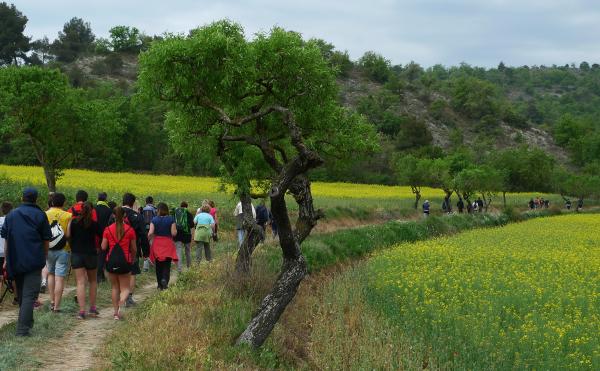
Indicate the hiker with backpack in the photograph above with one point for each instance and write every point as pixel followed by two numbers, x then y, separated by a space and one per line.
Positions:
pixel 119 240
pixel 205 225
pixel 163 252
pixel 148 213
pixel 262 218
pixel 184 221
pixel 27 234
pixel 59 250
pixel 135 221
pixel 82 232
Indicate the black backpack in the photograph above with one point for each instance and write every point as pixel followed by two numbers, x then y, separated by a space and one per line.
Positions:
pixel 116 261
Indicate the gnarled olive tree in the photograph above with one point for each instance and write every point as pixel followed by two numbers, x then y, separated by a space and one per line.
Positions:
pixel 268 107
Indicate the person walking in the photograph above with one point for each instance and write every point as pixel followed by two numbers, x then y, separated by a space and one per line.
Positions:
pixel 27 235
pixel 238 213
pixel 479 204
pixel 60 250
pixel 104 213
pixel 184 221
pixel 426 208
pixel 136 221
pixel 213 213
pixel 82 233
pixel 205 224
pixel 460 205
pixel 119 239
pixel 148 213
pixel 163 252
pixel 262 218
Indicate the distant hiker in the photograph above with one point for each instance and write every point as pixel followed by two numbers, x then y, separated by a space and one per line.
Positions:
pixel 426 208
pixel 119 240
pixel 580 205
pixel 262 218
pixel 568 204
pixel 239 221
pixel 546 203
pixel 163 252
pixel 5 209
pixel 475 207
pixel 82 233
pixel 104 213
pixel 531 204
pixel 60 250
pixel 184 221
pixel 480 204
pixel 148 212
pixel 135 221
pixel 204 229
pixel 469 207
pixel 446 205
pixel 27 234
pixel 213 213
pixel 460 205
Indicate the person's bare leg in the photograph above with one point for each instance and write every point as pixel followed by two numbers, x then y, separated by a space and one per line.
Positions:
pixel 115 291
pixel 59 285
pixel 51 291
pixel 91 275
pixel 80 277
pixel 124 282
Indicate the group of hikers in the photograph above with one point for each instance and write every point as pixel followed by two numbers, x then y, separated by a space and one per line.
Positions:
pixel 39 249
pixel 471 207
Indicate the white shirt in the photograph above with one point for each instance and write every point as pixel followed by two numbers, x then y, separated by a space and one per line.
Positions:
pixel 2 239
pixel 238 210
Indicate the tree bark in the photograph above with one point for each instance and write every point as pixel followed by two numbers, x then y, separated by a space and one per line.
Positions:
pixel 417 193
pixel 504 198
pixel 50 175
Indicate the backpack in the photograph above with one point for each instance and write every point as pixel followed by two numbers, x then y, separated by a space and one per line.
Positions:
pixel 116 261
pixel 203 233
pixel 58 241
pixel 148 214
pixel 181 221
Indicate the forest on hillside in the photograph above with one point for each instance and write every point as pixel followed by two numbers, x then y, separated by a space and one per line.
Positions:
pixel 461 113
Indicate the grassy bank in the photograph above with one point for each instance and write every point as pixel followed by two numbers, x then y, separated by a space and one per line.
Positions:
pixel 208 307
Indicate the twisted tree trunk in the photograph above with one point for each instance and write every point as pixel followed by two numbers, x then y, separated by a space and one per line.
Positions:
pixel 251 237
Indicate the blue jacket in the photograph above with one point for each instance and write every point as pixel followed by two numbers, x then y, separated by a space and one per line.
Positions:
pixel 25 230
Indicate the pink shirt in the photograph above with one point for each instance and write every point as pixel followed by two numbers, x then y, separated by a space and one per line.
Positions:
pixel 213 213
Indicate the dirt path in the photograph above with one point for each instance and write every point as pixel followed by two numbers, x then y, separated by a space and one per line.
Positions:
pixel 83 340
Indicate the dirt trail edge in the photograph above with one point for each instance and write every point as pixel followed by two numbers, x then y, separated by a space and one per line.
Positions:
pixel 10 315
pixel 83 340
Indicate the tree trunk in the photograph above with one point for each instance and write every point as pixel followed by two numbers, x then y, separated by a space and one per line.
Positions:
pixel 50 175
pixel 273 305
pixel 504 198
pixel 294 266
pixel 417 193
pixel 246 248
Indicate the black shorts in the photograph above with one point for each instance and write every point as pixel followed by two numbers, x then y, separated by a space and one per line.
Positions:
pixel 135 267
pixel 84 261
pixel 1 266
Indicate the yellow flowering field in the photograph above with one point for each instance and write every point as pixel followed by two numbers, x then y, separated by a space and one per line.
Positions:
pixel 522 296
pixel 185 185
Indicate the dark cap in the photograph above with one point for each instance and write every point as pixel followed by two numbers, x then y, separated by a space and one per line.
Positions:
pixel 30 193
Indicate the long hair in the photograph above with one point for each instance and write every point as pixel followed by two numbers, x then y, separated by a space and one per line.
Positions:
pixel 86 215
pixel 119 216
pixel 163 209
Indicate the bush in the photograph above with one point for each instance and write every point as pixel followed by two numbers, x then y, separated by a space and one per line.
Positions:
pixel 375 66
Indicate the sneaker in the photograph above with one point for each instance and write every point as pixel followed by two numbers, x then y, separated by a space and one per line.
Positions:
pixel 163 284
pixel 118 316
pixel 129 302
pixel 93 312
pixel 43 288
pixel 81 315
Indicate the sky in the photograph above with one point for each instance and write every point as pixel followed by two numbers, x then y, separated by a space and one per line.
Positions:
pixel 477 32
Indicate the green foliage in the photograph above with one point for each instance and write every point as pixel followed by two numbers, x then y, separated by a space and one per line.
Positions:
pixel 525 169
pixel 75 39
pixel 125 39
pixel 474 97
pixel 375 66
pixel 13 43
